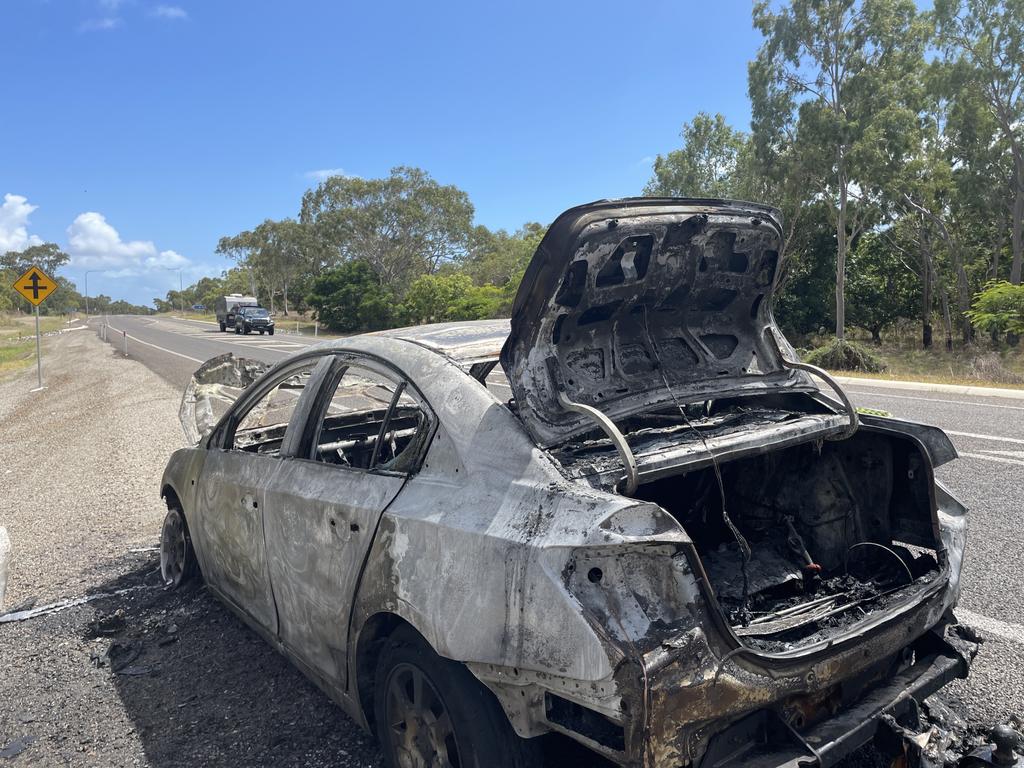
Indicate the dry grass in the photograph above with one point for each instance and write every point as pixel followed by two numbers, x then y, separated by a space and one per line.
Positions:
pixel 17 340
pixel 978 365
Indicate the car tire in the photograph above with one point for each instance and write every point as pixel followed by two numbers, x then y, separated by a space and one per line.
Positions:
pixel 413 732
pixel 178 565
pixel 223 327
pixel 238 329
pixel 261 333
pixel 246 330
pixel 270 332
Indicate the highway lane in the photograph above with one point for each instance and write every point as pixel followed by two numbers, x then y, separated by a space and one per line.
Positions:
pixel 175 348
pixel 989 477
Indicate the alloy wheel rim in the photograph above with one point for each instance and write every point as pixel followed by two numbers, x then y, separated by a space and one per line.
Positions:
pixel 172 549
pixel 419 724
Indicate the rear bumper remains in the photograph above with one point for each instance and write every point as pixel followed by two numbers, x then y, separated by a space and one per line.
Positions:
pixel 764 739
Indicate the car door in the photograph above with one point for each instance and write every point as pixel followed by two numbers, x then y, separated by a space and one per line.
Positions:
pixel 245 453
pixel 365 435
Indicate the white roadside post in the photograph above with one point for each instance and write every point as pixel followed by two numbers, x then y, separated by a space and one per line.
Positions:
pixel 125 334
pixel 36 286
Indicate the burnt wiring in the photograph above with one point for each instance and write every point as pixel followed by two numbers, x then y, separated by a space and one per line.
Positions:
pixel 741 541
pixel 884 548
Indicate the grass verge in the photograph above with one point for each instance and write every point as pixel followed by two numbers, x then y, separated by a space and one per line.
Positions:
pixel 974 366
pixel 17 340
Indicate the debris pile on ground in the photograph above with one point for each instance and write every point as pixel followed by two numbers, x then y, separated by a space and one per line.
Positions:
pixel 844 356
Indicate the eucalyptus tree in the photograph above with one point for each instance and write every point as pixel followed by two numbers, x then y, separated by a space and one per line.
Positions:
pixel 403 225
pixel 986 39
pixel 830 74
pixel 706 165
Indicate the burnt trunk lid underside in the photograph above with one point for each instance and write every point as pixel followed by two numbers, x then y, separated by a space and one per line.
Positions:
pixel 629 305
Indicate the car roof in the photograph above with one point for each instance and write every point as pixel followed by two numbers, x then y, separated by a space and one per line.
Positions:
pixel 466 342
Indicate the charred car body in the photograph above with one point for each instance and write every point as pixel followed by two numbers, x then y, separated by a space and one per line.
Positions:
pixel 667 544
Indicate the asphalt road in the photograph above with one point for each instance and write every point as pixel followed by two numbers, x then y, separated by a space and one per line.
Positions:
pixel 988 432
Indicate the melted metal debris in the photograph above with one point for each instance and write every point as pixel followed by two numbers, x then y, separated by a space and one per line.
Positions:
pixel 216 384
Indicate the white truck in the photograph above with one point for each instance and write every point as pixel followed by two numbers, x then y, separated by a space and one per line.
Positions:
pixel 227 307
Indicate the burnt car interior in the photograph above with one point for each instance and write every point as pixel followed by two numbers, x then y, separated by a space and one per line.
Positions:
pixel 796 542
pixel 820 522
pixel 369 423
pixel 261 430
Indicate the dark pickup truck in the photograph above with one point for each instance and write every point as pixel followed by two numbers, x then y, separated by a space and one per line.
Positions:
pixel 249 319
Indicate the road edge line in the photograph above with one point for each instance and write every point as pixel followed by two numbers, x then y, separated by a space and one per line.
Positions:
pixel 156 346
pixel 924 386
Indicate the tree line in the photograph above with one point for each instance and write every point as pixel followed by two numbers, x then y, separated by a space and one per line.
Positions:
pixel 366 254
pixel 49 258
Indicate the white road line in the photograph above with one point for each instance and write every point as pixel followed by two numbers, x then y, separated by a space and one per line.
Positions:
pixel 934 400
pixel 997 459
pixel 997 438
pixel 1002 629
pixel 254 341
pixel 155 346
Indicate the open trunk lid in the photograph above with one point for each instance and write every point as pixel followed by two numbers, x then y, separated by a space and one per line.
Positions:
pixel 629 305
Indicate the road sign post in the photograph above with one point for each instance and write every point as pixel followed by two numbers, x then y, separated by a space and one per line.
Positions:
pixel 36 286
pixel 39 355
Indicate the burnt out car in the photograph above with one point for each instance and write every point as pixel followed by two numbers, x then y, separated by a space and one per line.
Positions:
pixel 629 516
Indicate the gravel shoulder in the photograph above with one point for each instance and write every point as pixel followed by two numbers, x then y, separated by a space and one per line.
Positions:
pixel 79 465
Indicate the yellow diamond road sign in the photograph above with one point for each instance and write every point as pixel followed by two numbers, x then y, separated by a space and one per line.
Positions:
pixel 35 285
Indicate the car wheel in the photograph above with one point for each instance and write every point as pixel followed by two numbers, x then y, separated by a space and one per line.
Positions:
pixel 271 332
pixel 223 327
pixel 246 330
pixel 177 558
pixel 238 329
pixel 430 711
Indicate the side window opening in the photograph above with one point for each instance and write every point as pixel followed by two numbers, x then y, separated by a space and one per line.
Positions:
pixel 261 430
pixel 372 423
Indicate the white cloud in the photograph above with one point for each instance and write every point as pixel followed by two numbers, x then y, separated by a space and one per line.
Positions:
pixel 14 215
pixel 326 173
pixel 167 260
pixel 99 25
pixel 94 244
pixel 170 12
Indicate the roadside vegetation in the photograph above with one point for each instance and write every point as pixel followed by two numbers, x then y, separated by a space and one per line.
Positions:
pixel 18 339
pixel 975 365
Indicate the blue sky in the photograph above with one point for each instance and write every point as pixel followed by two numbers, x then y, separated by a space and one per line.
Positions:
pixel 135 133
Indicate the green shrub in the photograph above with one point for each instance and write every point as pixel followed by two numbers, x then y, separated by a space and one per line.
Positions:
pixel 351 299
pixel 844 356
pixel 999 308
